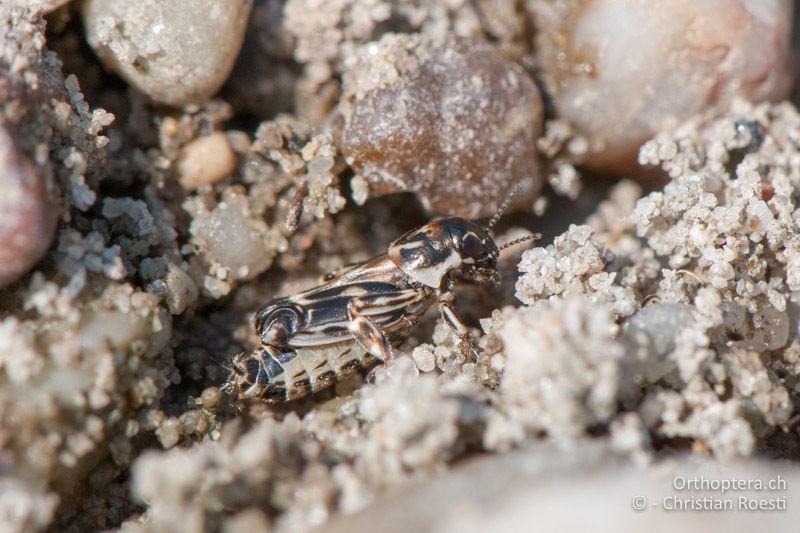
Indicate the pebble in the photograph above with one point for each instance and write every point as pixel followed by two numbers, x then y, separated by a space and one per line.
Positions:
pixel 231 237
pixel 205 161
pixel 194 422
pixel 621 71
pixel 168 432
pixel 210 397
pixel 176 52
pixel 181 291
pixel 661 323
pixel 456 122
pixel 27 221
pixel 424 358
pixel 649 337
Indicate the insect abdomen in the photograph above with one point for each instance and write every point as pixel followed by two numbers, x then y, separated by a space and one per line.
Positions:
pixel 284 376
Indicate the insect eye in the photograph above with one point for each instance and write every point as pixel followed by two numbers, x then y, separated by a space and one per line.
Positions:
pixel 472 247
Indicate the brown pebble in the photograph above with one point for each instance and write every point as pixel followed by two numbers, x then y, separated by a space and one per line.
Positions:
pixel 27 220
pixel 457 124
pixel 620 72
pixel 205 161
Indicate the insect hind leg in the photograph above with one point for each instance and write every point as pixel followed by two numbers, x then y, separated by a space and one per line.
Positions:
pixel 367 333
pixel 366 312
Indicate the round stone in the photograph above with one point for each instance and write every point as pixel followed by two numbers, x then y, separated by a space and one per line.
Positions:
pixel 176 52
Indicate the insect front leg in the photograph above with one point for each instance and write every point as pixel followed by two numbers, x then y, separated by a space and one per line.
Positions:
pixel 453 321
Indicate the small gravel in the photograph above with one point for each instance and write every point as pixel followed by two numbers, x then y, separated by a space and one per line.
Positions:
pixel 160 47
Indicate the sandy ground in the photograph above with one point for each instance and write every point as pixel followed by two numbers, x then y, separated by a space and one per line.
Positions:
pixel 647 346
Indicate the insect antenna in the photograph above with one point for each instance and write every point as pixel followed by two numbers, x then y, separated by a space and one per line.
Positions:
pixel 502 207
pixel 230 367
pixel 532 237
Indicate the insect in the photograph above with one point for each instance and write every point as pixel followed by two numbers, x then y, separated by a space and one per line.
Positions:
pixel 311 339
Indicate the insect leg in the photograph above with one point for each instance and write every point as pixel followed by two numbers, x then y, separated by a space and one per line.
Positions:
pixel 451 318
pixel 367 333
pixel 296 197
pixel 365 313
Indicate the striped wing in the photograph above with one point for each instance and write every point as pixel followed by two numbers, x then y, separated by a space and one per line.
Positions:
pixel 326 307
